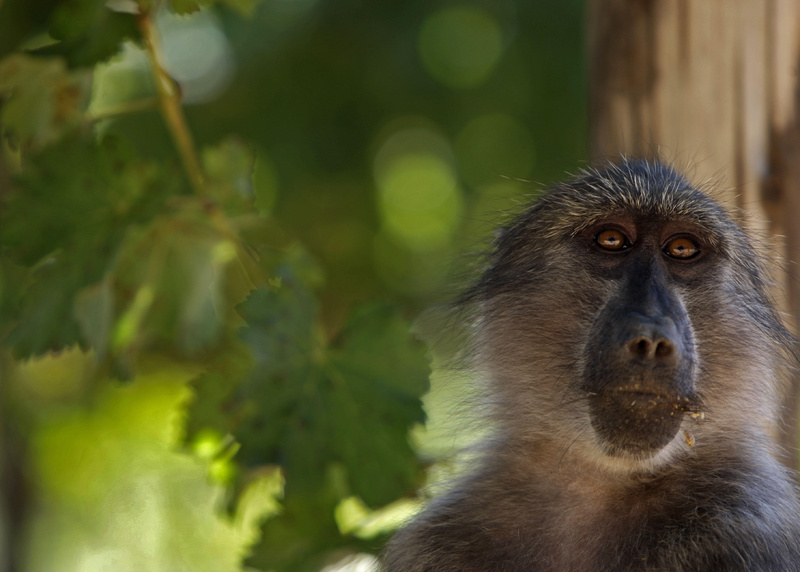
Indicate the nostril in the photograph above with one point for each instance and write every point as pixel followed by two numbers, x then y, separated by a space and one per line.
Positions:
pixel 641 347
pixel 645 348
pixel 664 349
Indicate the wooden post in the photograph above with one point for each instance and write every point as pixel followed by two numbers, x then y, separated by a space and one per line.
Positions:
pixel 711 86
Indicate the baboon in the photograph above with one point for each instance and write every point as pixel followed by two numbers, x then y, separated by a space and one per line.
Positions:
pixel 635 360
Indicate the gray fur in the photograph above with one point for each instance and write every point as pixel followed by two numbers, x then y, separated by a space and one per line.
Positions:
pixel 547 494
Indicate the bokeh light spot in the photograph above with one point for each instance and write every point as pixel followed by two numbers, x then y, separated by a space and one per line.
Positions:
pixel 421 206
pixel 197 54
pixel 460 45
pixel 419 198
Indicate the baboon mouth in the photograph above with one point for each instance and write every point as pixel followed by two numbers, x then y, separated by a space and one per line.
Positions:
pixel 637 420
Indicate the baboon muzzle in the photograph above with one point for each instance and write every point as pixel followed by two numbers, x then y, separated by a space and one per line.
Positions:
pixel 639 375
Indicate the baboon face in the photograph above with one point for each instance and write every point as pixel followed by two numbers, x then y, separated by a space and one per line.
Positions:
pixel 639 372
pixel 617 309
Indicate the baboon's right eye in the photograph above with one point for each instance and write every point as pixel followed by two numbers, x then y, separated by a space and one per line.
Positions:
pixel 612 240
pixel 682 248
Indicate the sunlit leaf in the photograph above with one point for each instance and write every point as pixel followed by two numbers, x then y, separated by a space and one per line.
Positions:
pixel 117 494
pixel 258 501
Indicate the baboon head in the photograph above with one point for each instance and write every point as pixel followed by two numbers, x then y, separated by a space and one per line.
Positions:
pixel 625 313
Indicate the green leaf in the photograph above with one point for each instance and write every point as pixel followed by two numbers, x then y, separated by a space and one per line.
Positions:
pixel 89 31
pixel 44 100
pixel 179 279
pixel 94 312
pixel 79 196
pixel 21 19
pixel 229 176
pixel 45 321
pixel 325 411
pixel 64 220
pixel 302 537
pixel 309 403
pixel 380 374
pixel 244 7
pixel 13 282
pixel 258 501
pixel 116 491
pixel 215 388
pixel 188 6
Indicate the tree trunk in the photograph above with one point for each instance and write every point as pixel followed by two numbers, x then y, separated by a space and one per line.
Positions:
pixel 710 86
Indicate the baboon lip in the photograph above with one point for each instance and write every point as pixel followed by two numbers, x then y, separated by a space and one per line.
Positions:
pixel 644 397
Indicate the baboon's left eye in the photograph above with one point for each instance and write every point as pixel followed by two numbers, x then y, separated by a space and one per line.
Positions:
pixel 682 248
pixel 612 240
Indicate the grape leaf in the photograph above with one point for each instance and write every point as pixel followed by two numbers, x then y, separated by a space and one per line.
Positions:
pixel 214 389
pixel 229 176
pixel 43 98
pixel 64 221
pixel 303 536
pixel 13 282
pixel 244 7
pixel 79 196
pixel 188 6
pixel 380 374
pixel 349 403
pixel 117 491
pixel 89 31
pixel 21 19
pixel 177 280
pixel 45 318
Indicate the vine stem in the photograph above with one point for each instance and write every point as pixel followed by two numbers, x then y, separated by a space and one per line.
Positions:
pixel 169 97
pixel 124 108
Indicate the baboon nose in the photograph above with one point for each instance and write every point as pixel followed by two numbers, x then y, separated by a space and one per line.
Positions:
pixel 661 349
pixel 652 341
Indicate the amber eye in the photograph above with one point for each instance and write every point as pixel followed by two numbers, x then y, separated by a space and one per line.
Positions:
pixel 682 248
pixel 612 240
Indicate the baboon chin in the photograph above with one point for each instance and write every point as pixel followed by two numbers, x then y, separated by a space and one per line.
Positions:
pixel 635 362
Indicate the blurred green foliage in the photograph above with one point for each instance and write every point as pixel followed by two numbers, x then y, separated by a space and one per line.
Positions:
pixel 205 350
